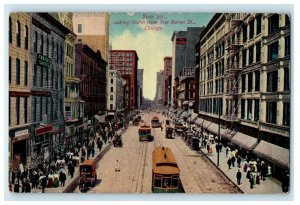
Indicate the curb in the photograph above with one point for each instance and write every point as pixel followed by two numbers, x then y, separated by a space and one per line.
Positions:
pixel 72 186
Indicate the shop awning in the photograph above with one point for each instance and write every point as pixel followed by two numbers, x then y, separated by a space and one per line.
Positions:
pixel 213 127
pixel 245 141
pixel 228 134
pixel 100 118
pixel 185 114
pixel 206 124
pixel 193 117
pixel 185 102
pixel 276 154
pixel 199 121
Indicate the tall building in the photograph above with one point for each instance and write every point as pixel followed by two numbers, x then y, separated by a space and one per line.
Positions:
pixel 126 62
pixel 19 87
pixel 47 85
pixel 91 69
pixel 140 87
pixel 73 105
pixel 245 76
pixel 115 93
pixel 159 87
pixel 92 28
pixel 183 45
pixel 167 80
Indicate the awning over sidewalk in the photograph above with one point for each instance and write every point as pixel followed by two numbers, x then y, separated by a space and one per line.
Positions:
pixel 273 153
pixel 193 117
pixel 185 114
pixel 179 112
pixel 199 121
pixel 244 141
pixel 101 119
pixel 228 134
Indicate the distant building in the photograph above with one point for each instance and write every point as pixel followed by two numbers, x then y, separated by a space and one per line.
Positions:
pixel 167 80
pixel 159 88
pixel 115 93
pixel 91 69
pixel 92 28
pixel 140 87
pixel 183 52
pixel 126 62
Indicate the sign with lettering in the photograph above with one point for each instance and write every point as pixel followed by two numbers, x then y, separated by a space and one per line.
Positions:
pixel 43 130
pixel 21 132
pixel 43 61
pixel 188 72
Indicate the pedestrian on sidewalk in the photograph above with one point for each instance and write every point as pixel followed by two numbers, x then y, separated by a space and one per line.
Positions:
pixel 233 161
pixel 70 163
pixel 239 176
pixel 207 147
pixel 238 161
pixel 62 178
pixel 72 170
pixel 44 183
pixel 285 182
pixel 93 151
pixel 251 180
pixel 229 162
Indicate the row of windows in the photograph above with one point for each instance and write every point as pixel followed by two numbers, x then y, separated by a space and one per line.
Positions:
pixel 56 51
pixel 18 34
pixel 45 106
pixel 250 87
pixel 19 73
pixel 17 110
pixel 92 87
pixel 211 105
pixel 47 78
pixel 249 114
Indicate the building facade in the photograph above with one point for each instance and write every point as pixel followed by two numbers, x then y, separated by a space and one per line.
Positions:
pixel 92 28
pixel 183 44
pixel 126 62
pixel 115 93
pixel 19 87
pixel 167 80
pixel 47 85
pixel 91 69
pixel 245 75
pixel 140 87
pixel 159 95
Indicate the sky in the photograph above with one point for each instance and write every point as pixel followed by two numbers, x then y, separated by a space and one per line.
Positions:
pixel 150 35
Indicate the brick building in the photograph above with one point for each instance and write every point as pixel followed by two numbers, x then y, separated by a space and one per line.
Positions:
pixel 167 80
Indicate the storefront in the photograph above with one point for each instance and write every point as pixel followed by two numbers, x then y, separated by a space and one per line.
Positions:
pixel 41 144
pixel 20 145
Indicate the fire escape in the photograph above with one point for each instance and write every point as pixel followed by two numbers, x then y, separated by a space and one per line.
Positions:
pixel 233 69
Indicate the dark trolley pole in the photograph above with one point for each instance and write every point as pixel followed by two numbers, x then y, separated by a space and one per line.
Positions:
pixel 219 134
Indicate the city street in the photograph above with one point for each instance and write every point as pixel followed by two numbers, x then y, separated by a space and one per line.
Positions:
pixel 198 175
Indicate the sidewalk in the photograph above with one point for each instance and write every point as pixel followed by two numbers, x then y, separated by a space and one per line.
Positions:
pixel 269 186
pixel 69 180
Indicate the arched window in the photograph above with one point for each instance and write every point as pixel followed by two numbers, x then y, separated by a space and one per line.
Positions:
pixel 42 44
pixel 26 37
pixel 35 42
pixel 10 30
pixel 18 32
pixel 48 47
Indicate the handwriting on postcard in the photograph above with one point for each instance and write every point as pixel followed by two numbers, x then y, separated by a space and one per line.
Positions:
pixel 153 22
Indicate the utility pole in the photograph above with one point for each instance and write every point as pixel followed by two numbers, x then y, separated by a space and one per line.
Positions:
pixel 219 133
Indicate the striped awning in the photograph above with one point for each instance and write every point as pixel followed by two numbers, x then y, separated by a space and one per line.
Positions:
pixel 193 118
pixel 185 114
pixel 199 121
pixel 245 141
pixel 276 154
pixel 228 134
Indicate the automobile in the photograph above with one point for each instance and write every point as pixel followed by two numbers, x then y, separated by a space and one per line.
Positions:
pixel 88 174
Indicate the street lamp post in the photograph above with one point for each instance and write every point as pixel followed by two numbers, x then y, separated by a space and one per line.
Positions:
pixel 219 134
pixel 190 105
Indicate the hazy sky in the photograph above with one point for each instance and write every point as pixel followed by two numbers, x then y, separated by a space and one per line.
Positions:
pixel 150 35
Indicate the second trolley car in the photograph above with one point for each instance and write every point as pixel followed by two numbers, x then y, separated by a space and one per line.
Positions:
pixel 145 133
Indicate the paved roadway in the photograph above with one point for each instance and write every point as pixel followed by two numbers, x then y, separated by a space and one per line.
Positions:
pixel 198 174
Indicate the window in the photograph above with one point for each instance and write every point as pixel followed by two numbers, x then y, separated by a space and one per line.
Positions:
pixel 273 51
pixel 46 106
pixel 18 109
pixel 251 48
pixel 111 106
pixel 258 51
pixel 42 76
pixel 35 44
pixel 35 75
pixel 286 114
pixel 26 73
pixel 286 79
pixel 42 44
pixel 250 82
pixel 111 81
pixel 243 108
pixel 244 57
pixel 48 47
pixel 25 109
pixel 18 71
pixel 273 23
pixel 26 37
pixel 244 33
pixel 271 112
pixel 9 113
pixel 9 64
pixel 258 24
pixel 243 83
pixel 272 81
pixel 41 108
pixel 111 89
pixel 257 80
pixel 287 46
pixel 10 30
pixel 249 108
pixel 256 110
pixel 18 36
pixel 251 32
pixel 79 28
pixel 287 20
pixel 57 54
pixel 111 97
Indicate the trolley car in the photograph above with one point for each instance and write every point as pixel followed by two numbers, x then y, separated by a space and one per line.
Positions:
pixel 155 122
pixel 165 172
pixel 145 133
